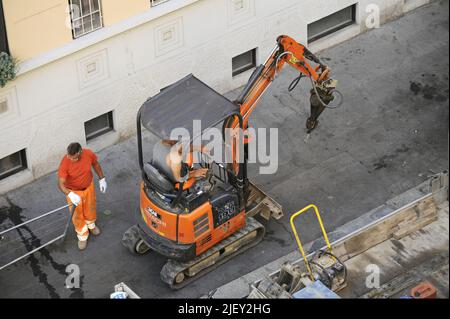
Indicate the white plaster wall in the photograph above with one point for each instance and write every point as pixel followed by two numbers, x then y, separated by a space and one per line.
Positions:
pixel 51 103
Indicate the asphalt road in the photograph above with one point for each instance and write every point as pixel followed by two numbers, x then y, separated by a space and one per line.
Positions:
pixel 390 134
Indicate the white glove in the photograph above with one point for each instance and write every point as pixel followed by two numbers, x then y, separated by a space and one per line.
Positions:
pixel 102 184
pixel 74 198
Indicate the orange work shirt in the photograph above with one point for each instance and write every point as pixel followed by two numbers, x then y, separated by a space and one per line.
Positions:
pixel 78 175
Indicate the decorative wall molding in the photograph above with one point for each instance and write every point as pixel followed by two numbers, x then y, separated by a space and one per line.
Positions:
pixel 169 36
pixel 240 11
pixel 9 106
pixel 93 69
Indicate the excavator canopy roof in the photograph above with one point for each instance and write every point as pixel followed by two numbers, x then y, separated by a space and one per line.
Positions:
pixel 178 105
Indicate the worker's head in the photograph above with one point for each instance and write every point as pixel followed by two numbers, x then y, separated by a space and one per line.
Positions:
pixel 169 142
pixel 74 151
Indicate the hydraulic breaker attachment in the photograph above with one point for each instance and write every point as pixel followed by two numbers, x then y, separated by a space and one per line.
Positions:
pixel 320 98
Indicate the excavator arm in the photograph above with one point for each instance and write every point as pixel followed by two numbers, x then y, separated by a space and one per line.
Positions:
pixel 288 51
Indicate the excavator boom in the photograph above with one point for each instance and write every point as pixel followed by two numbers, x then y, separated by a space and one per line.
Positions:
pixel 299 57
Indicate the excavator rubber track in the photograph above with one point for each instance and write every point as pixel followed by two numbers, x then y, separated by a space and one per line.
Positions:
pixel 179 274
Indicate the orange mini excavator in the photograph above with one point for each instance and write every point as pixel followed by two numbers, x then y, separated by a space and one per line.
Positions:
pixel 200 223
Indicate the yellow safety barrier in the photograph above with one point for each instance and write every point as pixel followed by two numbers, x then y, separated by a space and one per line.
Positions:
pixel 300 246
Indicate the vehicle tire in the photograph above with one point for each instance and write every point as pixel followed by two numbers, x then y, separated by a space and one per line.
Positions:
pixel 133 241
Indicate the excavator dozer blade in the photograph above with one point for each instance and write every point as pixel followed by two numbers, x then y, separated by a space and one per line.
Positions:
pixel 259 203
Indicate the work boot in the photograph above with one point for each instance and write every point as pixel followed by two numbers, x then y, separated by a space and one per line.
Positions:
pixel 82 244
pixel 96 231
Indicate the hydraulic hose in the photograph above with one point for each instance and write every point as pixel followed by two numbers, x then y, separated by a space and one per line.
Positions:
pixel 320 99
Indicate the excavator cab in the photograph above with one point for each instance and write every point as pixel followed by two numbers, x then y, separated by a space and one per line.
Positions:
pixel 182 113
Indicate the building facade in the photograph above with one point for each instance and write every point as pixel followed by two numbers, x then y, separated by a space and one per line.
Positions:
pixel 86 66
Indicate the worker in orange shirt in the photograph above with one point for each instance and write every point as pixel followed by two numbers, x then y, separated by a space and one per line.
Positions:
pixel 76 181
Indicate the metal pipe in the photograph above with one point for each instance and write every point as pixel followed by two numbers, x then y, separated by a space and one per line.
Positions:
pixel 32 252
pixel 299 243
pixel 139 138
pixel 70 218
pixel 48 243
pixel 34 219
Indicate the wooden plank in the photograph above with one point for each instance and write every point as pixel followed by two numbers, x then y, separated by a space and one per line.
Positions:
pixel 402 223
pixel 415 226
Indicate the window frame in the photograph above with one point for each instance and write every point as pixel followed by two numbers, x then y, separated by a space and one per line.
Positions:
pixel 80 18
pixel 335 28
pixel 23 165
pixel 246 67
pixel 102 131
pixel 4 43
pixel 154 3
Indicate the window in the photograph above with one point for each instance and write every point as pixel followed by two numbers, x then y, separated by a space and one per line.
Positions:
pixel 244 62
pixel 12 164
pixel 332 23
pixel 86 16
pixel 156 2
pixel 3 38
pixel 99 126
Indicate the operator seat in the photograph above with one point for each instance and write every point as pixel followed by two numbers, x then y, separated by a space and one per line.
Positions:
pixel 158 180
